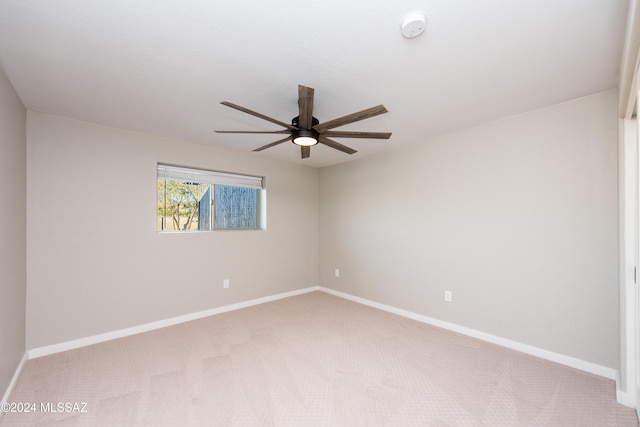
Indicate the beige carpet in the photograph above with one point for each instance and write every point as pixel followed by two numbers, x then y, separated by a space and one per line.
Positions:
pixel 310 360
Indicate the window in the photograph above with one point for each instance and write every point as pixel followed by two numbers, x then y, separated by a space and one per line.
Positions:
pixel 196 199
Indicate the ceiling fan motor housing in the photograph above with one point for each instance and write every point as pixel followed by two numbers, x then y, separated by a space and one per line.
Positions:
pixel 296 121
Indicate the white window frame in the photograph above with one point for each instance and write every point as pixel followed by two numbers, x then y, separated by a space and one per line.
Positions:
pixel 213 177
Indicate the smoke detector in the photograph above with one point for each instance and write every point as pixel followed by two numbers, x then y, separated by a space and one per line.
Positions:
pixel 414 24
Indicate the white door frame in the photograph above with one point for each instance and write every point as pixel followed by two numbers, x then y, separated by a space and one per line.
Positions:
pixel 628 384
pixel 628 380
pixel 633 292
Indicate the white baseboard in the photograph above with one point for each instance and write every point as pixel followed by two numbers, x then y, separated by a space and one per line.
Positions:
pixel 572 362
pixel 582 365
pixel 14 380
pixel 94 339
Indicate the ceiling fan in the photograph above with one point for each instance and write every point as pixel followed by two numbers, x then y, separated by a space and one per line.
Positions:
pixel 306 131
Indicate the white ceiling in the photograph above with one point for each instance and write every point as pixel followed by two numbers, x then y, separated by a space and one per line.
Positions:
pixel 163 66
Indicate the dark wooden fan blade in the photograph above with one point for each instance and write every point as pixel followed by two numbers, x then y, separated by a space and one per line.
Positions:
pixel 273 144
pixel 305 106
pixel 353 134
pixel 351 118
pixel 254 131
pixel 306 151
pixel 256 114
pixel 326 141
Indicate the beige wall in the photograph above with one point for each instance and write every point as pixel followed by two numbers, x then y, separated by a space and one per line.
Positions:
pixel 13 192
pixel 517 217
pixel 96 262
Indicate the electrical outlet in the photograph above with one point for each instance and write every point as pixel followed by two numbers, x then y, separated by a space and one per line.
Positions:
pixel 337 272
pixel 225 283
pixel 448 296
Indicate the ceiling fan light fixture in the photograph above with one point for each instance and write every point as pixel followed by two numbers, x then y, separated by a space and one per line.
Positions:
pixel 305 137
